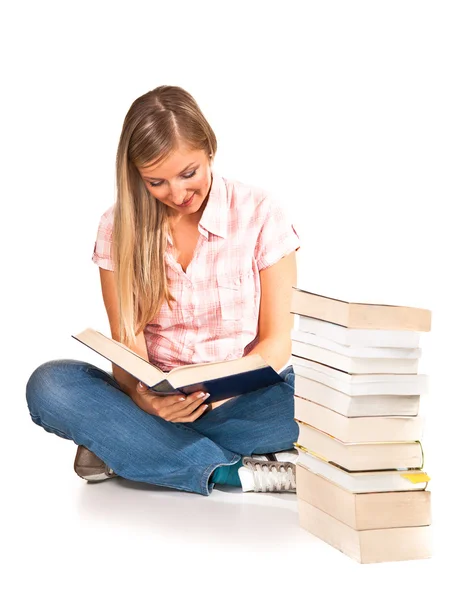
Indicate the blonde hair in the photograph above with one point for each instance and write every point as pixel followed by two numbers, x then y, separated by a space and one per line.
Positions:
pixel 153 128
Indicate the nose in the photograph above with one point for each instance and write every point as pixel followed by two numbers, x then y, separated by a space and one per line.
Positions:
pixel 178 193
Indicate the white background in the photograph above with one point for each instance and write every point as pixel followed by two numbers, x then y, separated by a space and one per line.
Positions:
pixel 352 113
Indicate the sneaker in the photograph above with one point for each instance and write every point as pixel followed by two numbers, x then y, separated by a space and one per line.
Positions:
pixel 269 472
pixel 88 466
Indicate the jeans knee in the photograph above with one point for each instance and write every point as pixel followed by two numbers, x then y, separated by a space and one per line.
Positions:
pixel 46 382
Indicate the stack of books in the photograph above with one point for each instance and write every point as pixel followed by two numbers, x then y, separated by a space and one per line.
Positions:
pixel 360 481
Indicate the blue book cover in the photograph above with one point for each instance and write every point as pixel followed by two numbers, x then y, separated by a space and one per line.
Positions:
pixel 224 379
pixel 225 386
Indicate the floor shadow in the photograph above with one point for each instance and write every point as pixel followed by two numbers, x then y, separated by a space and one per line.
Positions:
pixel 227 514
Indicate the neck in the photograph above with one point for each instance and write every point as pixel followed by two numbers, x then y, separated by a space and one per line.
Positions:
pixel 176 220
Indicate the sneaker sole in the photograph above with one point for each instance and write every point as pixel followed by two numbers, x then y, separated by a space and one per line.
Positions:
pixel 99 477
pixel 87 474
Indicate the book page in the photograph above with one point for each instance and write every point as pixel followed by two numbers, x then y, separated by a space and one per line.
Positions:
pixel 122 356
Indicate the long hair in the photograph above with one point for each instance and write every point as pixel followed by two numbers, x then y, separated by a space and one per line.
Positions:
pixel 152 129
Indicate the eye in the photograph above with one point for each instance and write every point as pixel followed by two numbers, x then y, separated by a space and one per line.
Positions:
pixel 186 176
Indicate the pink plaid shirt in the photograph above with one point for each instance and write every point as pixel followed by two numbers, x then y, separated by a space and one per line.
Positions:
pixel 243 229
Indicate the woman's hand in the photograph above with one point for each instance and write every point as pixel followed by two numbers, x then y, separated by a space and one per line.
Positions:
pixel 175 408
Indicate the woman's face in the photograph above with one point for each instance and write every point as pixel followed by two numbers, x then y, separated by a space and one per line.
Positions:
pixel 182 181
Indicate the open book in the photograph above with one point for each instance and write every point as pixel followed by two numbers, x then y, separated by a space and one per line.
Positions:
pixel 223 379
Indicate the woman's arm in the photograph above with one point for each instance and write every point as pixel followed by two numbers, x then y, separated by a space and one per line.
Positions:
pixel 127 382
pixel 275 318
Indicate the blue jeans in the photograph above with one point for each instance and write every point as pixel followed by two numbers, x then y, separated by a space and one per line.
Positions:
pixel 79 401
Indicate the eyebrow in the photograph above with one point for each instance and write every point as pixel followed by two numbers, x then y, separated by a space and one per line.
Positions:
pixel 187 167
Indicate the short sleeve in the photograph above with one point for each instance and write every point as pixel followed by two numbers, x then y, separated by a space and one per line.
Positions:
pixel 103 244
pixel 277 237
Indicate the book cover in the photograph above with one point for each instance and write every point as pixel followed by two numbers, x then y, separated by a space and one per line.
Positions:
pixel 363 482
pixel 361 384
pixel 354 364
pixel 368 338
pixel 361 456
pixel 359 316
pixel 358 429
pixel 376 510
pixel 222 379
pixel 354 351
pixel 378 405
pixel 370 545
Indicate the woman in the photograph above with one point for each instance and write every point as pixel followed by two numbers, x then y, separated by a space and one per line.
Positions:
pixel 194 268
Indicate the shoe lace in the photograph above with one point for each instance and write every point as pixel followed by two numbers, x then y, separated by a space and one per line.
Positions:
pixel 270 476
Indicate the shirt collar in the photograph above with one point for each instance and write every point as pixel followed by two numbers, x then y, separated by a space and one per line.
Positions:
pixel 215 216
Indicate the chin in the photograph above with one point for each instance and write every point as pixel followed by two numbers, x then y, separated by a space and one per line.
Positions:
pixel 197 201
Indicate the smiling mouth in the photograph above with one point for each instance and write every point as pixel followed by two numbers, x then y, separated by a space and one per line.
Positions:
pixel 189 200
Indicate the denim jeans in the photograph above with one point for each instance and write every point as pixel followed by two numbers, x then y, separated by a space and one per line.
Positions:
pixel 81 402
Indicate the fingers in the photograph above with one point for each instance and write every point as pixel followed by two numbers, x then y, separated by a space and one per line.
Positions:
pixel 162 401
pixel 174 407
pixel 193 416
pixel 193 403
